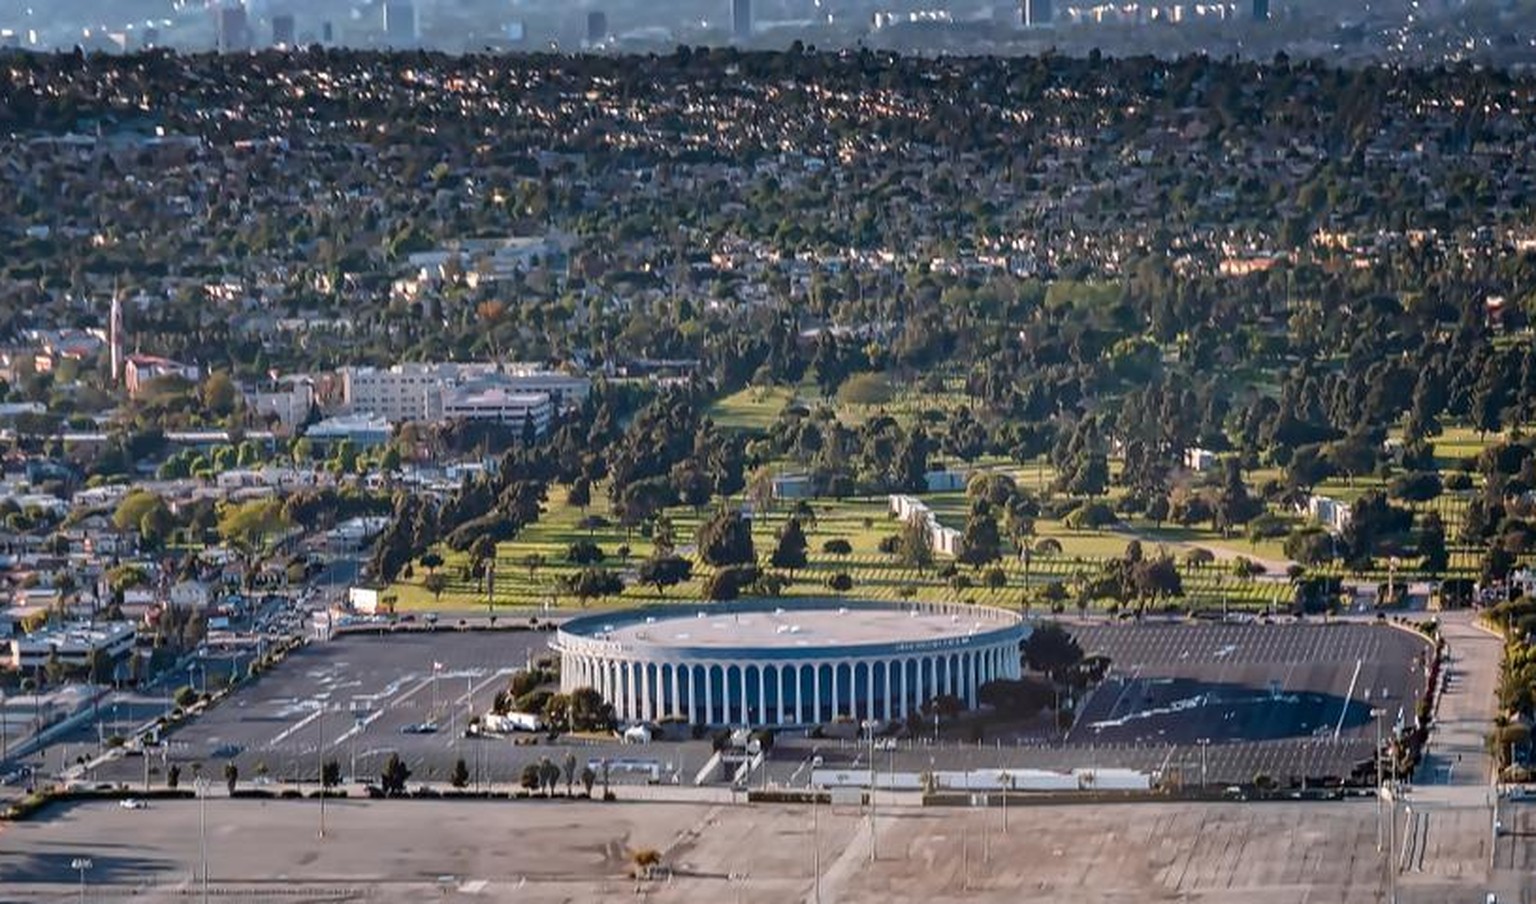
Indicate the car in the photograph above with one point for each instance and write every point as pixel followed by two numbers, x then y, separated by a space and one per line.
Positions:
pixel 419 728
pixel 133 803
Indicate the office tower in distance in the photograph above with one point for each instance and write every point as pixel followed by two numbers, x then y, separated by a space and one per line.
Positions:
pixel 1037 13
pixel 741 19
pixel 232 28
pixel 399 24
pixel 1261 10
pixel 327 33
pixel 597 26
pixel 282 30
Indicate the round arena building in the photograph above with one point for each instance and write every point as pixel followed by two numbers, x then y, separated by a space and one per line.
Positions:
pixel 787 662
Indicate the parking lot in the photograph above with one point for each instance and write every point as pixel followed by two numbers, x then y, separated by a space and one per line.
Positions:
pixel 1230 701
pixel 349 699
pixel 569 851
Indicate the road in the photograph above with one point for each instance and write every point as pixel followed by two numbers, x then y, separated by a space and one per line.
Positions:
pixel 1457 755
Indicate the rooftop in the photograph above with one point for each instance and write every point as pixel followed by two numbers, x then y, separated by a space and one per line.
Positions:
pixel 824 624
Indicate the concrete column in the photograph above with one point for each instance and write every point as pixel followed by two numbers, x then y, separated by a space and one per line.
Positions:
pixel 709 694
pixel 836 667
pixel 799 694
pixel 816 699
pixel 971 672
pixel 869 691
pixel 762 693
pixel 693 695
pixel 902 706
pixel 890 691
pixel 676 708
pixel 632 688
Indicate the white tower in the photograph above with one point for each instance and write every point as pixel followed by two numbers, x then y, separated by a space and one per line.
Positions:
pixel 115 337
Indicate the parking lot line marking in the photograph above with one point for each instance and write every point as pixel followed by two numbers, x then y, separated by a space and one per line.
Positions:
pixel 1348 696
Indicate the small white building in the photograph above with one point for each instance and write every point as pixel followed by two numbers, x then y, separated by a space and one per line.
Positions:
pixel 1199 460
pixel 1331 513
pixel 191 594
pixel 945 481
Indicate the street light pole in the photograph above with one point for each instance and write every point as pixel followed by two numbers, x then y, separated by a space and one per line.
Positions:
pixel 202 830
pixel 1378 713
pixel 320 758
pixel 869 726
pixel 816 838
pixel 82 864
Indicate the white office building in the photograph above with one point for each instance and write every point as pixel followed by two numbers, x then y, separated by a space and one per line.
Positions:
pixel 74 644
pixel 417 391
pixel 494 401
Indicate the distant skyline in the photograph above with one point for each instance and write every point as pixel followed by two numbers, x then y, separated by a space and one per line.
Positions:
pixel 1502 32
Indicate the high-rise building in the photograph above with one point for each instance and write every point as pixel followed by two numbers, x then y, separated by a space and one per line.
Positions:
pixel 115 336
pixel 232 27
pixel 282 30
pixel 597 26
pixel 1261 10
pixel 399 24
pixel 327 33
pixel 741 19
pixel 1037 13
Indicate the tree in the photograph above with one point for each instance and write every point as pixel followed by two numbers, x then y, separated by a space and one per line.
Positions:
pixel 837 546
pixel 330 773
pixel 1432 544
pixel 1050 649
pixel 569 768
pixel 584 552
pixel 726 539
pixel 789 554
pixel 588 778
pixel 460 776
pixel 593 583
pixel 665 571
pixel 220 394
pixel 394 775
pixel 916 545
pixel 580 493
pixel 980 544
pixel 231 776
pixel 727 583
pixel 840 582
pixel 173 777
pixel 431 562
pixel 435 583
pixel 549 776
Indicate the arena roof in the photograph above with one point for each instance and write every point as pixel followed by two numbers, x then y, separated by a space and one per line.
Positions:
pixel 791 626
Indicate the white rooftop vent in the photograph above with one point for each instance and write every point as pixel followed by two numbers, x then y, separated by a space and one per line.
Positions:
pixel 650 619
pixel 842 610
pixel 781 629
pixel 698 615
pixel 794 629
pixel 779 611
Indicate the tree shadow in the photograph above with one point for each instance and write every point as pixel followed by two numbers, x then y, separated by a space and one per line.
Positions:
pixel 1187 710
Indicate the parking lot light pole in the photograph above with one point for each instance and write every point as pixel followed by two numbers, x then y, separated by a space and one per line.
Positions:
pixel 320 759
pixel 869 726
pixel 82 864
pixel 202 830
pixel 1205 744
